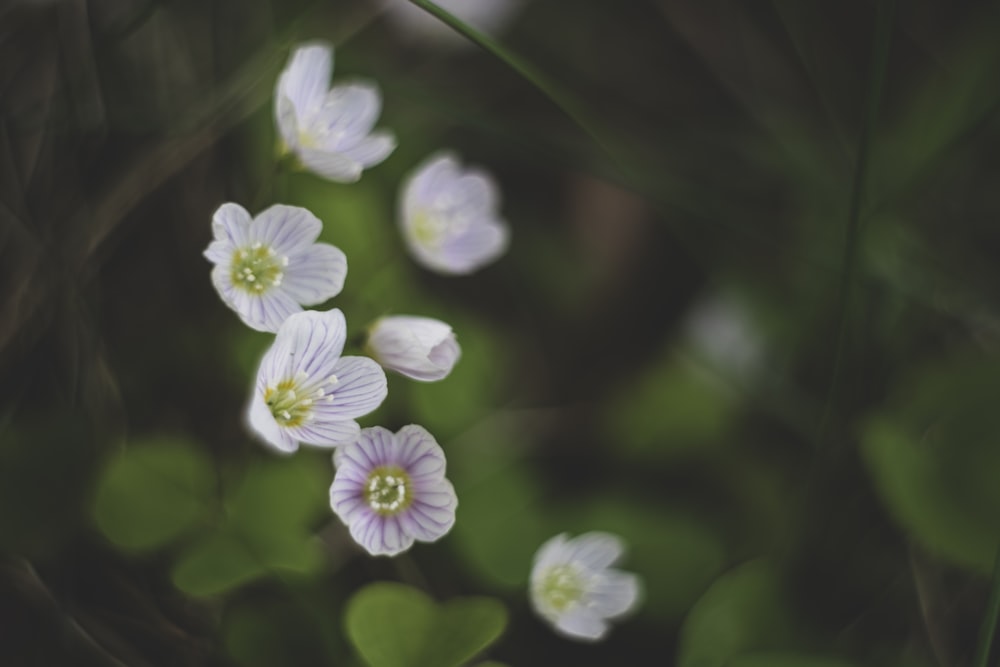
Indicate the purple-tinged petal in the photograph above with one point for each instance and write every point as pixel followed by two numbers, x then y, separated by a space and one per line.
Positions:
pixel 348 113
pixel 315 274
pixel 372 149
pixel 360 388
pixel 479 245
pixel 262 422
pixel 596 550
pixel 231 224
pixel 306 78
pixel 285 229
pixel 333 166
pixel 326 433
pixel 419 454
pixel 615 593
pixel 420 348
pixel 308 342
pixel 582 623
pixel 220 252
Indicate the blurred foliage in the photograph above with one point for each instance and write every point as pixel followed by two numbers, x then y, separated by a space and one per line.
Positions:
pixel 760 349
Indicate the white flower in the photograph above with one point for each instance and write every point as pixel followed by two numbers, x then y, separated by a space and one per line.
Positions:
pixel 488 16
pixel 268 267
pixel 574 588
pixel 420 348
pixel 448 216
pixel 306 392
pixel 390 489
pixel 329 129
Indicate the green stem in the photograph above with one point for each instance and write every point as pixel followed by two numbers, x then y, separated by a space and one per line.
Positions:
pixel 852 242
pixel 989 629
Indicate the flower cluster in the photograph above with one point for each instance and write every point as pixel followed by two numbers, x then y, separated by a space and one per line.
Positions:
pixel 389 489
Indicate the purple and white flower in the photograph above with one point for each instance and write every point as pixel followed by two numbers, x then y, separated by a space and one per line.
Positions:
pixel 268 267
pixel 306 392
pixel 420 348
pixel 390 489
pixel 448 216
pixel 575 589
pixel 329 129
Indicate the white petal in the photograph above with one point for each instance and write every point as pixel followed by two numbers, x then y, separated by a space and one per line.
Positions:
pixel 596 550
pixel 380 536
pixel 321 433
pixel 309 342
pixel 347 115
pixel 315 274
pixel 231 224
pixel 582 623
pixel 285 229
pixel 420 454
pixel 261 421
pixel 374 447
pixel 423 185
pixel 481 244
pixel 372 150
pixel 331 165
pixel 286 119
pixel 263 312
pixel 614 593
pixel 421 348
pixel 306 78
pixel 220 252
pixel 360 388
pixel 476 191
pixel 553 552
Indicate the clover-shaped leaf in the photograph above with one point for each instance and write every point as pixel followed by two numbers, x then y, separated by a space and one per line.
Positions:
pixel 392 625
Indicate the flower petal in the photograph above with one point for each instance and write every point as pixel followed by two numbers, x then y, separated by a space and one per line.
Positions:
pixel 306 78
pixel 334 166
pixel 348 113
pixel 481 244
pixel 264 312
pixel 373 149
pixel 596 550
pixel 420 348
pixel 582 623
pixel 285 229
pixel 432 513
pixel 315 274
pixel 231 224
pixel 220 252
pixel 309 342
pixel 552 552
pixel 261 421
pixel 422 187
pixel 360 388
pixel 326 433
pixel 615 593
pixel 380 536
pixel 420 454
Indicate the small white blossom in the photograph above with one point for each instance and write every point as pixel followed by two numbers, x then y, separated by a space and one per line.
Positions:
pixel 329 129
pixel 420 348
pixel 390 489
pixel 306 392
pixel 448 216
pixel 488 16
pixel 268 267
pixel 574 587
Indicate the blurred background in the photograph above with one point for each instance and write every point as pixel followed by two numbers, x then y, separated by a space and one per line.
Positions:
pixel 749 321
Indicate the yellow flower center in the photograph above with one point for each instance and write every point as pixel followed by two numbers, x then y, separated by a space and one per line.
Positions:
pixel 388 490
pixel 561 586
pixel 257 268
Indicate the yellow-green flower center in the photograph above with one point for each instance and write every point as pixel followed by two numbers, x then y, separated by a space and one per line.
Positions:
pixel 291 400
pixel 388 490
pixel 561 586
pixel 427 228
pixel 257 268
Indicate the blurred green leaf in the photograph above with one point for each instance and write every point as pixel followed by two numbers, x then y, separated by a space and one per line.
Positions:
pixel 743 611
pixel 274 632
pixel 934 460
pixel 153 492
pixel 677 556
pixel 392 625
pixel 267 526
pixel 785 660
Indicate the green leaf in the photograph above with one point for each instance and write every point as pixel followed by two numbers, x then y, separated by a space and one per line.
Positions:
pixel 743 611
pixel 267 527
pixel 152 493
pixel 392 625
pixel 933 458
pixel 785 660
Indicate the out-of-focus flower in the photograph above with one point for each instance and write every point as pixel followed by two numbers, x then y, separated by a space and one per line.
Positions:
pixel 448 216
pixel 489 16
pixel 306 392
pixel 329 129
pixel 268 267
pixel 420 348
pixel 574 588
pixel 390 489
